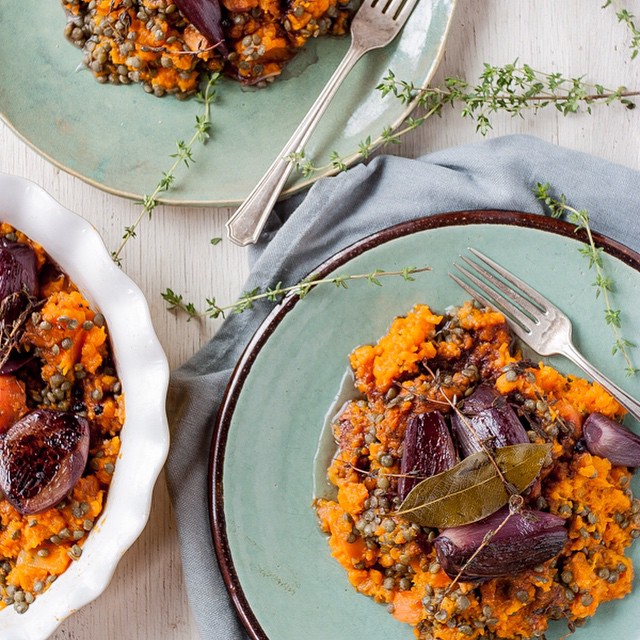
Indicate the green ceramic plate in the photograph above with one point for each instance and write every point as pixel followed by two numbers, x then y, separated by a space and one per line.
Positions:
pixel 120 138
pixel 276 562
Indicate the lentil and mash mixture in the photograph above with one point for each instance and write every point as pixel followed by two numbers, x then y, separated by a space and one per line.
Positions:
pixel 394 561
pixel 152 43
pixel 63 371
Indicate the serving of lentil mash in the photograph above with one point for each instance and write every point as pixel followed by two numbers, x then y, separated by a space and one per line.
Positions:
pixel 61 412
pixel 152 43
pixel 397 562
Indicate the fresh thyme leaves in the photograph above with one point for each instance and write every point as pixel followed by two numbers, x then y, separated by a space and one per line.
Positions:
pixel 247 300
pixel 605 287
pixel 513 88
pixel 182 156
pixel 626 18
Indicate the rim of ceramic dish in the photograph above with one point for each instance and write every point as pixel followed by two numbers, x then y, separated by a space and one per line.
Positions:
pixel 262 335
pixel 286 193
pixel 30 208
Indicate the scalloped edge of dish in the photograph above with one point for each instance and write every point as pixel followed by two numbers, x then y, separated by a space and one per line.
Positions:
pixel 286 193
pixel 144 373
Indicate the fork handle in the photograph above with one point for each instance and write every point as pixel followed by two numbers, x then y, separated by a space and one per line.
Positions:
pixel 245 225
pixel 629 403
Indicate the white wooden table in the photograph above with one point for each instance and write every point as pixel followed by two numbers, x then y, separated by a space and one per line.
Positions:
pixel 146 599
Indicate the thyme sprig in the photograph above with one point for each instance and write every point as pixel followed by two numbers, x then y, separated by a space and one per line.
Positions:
pixel 11 328
pixel 276 293
pixel 513 88
pixel 182 156
pixel 559 208
pixel 626 18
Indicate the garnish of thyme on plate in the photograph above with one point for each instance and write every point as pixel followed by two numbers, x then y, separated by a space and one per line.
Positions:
pixel 276 293
pixel 513 88
pixel 605 287
pixel 183 155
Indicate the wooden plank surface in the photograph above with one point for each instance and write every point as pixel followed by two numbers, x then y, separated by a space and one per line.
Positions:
pixel 146 599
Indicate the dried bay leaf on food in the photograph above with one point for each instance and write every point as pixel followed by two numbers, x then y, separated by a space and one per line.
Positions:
pixel 473 489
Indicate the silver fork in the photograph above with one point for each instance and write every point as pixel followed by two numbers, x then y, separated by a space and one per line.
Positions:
pixel 375 25
pixel 535 320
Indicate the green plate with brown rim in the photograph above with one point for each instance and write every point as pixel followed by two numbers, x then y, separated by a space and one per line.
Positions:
pixel 274 558
pixel 119 138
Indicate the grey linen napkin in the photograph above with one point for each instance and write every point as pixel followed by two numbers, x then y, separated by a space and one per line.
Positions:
pixel 497 174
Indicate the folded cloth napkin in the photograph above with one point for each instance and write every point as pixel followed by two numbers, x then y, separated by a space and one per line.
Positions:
pixel 497 174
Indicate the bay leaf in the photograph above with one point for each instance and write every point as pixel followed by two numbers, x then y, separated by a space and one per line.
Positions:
pixel 472 489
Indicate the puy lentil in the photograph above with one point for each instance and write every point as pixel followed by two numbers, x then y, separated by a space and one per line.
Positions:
pixel 21 607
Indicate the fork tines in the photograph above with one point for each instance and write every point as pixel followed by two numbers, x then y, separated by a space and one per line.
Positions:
pixel 500 289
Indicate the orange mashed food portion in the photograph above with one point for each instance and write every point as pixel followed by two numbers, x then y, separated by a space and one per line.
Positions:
pixel 392 560
pixel 70 369
pixel 150 42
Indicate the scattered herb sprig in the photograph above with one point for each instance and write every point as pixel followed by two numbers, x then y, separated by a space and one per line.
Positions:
pixel 559 208
pixel 626 18
pixel 513 88
pixel 11 330
pixel 276 293
pixel 183 155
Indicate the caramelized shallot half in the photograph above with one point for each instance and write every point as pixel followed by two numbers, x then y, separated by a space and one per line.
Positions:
pixel 18 269
pixel 527 539
pixel 606 438
pixel 42 456
pixel 18 287
pixel 488 418
pixel 18 279
pixel 428 450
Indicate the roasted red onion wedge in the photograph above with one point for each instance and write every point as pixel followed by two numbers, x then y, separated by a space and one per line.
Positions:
pixel 206 17
pixel 606 438
pixel 14 362
pixel 527 538
pixel 490 418
pixel 18 286
pixel 42 457
pixel 18 269
pixel 428 450
pixel 18 278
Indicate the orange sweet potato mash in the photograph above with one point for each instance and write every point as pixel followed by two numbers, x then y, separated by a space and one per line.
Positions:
pixel 392 560
pixel 150 42
pixel 71 370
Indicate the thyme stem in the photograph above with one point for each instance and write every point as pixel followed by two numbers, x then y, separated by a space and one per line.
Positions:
pixel 183 155
pixel 558 208
pixel 513 89
pixel 278 292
